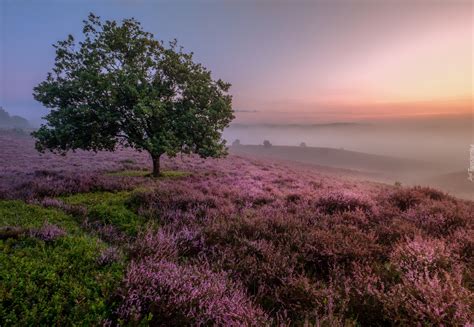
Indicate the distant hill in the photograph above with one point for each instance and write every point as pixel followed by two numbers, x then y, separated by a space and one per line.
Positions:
pixel 378 168
pixel 300 126
pixel 456 183
pixel 338 158
pixel 7 121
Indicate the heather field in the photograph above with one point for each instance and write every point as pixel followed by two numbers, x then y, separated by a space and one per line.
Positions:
pixel 91 239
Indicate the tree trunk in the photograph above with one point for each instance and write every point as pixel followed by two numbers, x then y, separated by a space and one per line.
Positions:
pixel 156 165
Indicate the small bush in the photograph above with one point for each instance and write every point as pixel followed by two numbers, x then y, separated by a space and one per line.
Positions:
pixel 167 293
pixel 406 198
pixel 422 255
pixel 341 201
pixel 108 255
pixel 176 203
pixel 48 232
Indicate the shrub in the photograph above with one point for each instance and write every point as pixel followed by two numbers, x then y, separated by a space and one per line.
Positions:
pixel 422 255
pixel 439 218
pixel 178 203
pixel 168 293
pixel 422 284
pixel 340 201
pixel 339 246
pixel 159 245
pixel 48 232
pixel 406 198
pixel 434 299
pixel 108 256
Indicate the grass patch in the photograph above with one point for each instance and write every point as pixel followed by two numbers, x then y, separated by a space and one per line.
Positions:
pixel 130 173
pixel 174 174
pixel 146 173
pixel 18 213
pixel 109 208
pixel 52 283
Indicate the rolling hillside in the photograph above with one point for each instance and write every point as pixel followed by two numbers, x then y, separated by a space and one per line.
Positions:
pixel 365 166
pixel 92 239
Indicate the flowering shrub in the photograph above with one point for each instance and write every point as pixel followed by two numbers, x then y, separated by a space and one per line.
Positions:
pixel 108 255
pixel 431 287
pixel 158 245
pixel 49 203
pixel 343 200
pixel 405 198
pixel 185 295
pixel 175 201
pixel 462 243
pixel 422 282
pixel 422 255
pixel 25 174
pixel 438 299
pixel 45 183
pixel 439 218
pixel 48 232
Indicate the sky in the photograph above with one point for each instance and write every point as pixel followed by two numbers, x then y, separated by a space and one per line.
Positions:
pixel 288 61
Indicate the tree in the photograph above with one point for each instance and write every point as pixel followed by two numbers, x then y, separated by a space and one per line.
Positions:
pixel 236 142
pixel 120 86
pixel 303 144
pixel 267 144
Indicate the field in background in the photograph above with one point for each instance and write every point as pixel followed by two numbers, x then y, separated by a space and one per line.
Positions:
pixel 381 168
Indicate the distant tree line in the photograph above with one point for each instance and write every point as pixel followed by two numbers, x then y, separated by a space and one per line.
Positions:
pixel 7 121
pixel 266 144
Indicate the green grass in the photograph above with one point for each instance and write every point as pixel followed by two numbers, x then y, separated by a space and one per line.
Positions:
pixel 60 282
pixel 174 174
pixel 130 173
pixel 52 283
pixel 146 173
pixel 109 208
pixel 18 213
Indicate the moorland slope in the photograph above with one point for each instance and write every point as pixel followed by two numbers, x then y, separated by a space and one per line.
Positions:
pixel 90 238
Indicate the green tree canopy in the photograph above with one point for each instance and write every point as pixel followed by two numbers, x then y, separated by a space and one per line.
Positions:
pixel 121 86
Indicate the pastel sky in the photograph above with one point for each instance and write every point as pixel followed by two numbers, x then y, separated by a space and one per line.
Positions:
pixel 328 60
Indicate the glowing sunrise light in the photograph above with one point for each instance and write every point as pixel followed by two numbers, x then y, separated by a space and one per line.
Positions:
pixel 433 65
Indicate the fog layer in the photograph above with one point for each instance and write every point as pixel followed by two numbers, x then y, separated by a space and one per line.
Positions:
pixel 433 151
